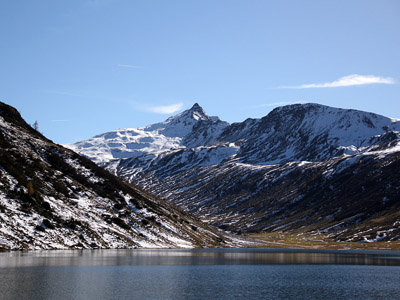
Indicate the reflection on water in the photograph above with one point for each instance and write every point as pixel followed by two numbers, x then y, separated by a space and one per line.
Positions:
pixel 200 274
pixel 121 257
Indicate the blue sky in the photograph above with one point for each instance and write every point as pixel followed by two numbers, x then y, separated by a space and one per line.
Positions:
pixel 81 68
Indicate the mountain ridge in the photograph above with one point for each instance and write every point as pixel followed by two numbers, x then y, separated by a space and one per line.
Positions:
pixel 263 174
pixel 193 128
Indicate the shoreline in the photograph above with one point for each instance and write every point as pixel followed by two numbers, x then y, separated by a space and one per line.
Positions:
pixel 308 241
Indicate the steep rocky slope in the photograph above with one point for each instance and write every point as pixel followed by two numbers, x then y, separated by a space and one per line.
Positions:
pixel 52 198
pixel 307 168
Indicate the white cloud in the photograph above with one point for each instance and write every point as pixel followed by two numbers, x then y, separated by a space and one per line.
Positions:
pixel 350 80
pixel 164 109
pixel 128 66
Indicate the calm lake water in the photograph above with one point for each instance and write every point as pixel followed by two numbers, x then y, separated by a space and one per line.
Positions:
pixel 200 274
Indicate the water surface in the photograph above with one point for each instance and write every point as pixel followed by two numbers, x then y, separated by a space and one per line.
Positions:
pixel 200 274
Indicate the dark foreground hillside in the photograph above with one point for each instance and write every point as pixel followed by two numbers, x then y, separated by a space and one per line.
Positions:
pixel 52 198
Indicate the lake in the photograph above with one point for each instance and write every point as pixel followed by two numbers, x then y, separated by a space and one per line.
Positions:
pixel 200 274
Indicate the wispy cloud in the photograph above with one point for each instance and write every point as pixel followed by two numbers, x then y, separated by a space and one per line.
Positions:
pixel 350 80
pixel 164 109
pixel 128 66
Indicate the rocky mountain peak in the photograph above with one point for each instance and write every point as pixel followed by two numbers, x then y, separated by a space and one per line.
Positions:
pixel 180 124
pixel 196 113
pixel 197 107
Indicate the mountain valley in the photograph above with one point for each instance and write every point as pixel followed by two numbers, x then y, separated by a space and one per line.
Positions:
pixel 303 168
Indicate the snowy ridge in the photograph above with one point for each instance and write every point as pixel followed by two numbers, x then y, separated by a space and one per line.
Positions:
pixel 125 143
pixel 191 127
pixel 308 132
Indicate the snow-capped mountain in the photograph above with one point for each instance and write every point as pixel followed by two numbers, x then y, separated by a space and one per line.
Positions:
pixel 305 166
pixel 310 132
pixel 191 128
pixel 53 198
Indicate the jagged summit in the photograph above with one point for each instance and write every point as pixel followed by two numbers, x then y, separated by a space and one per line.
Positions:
pixel 180 124
pixel 196 106
pixel 198 112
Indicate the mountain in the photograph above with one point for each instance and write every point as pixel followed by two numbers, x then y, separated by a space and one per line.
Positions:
pixel 301 168
pixel 310 132
pixel 53 198
pixel 191 128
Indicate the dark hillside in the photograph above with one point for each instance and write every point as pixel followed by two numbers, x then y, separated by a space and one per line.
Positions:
pixel 52 198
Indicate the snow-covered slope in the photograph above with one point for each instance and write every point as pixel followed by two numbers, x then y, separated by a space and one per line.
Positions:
pixel 272 173
pixel 189 129
pixel 309 132
pixel 53 198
